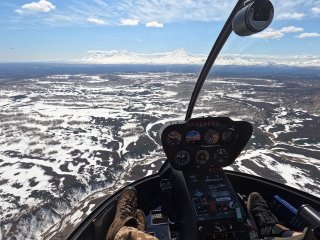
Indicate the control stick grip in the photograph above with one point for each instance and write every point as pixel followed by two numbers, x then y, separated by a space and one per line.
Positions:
pixel 312 218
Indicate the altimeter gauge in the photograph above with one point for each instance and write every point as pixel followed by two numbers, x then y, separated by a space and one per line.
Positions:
pixel 202 157
pixel 211 137
pixel 173 138
pixel 182 158
pixel 221 156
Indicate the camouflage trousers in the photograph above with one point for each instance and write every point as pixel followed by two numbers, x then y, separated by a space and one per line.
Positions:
pixel 131 233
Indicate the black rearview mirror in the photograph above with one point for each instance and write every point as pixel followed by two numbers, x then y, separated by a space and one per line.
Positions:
pixel 253 18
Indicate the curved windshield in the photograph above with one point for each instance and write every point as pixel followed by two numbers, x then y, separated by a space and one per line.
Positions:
pixel 85 87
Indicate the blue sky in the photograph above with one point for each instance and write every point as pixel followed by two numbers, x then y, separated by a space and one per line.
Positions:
pixel 50 30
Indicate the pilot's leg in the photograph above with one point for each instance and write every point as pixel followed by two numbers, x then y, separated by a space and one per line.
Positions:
pixel 125 212
pixel 290 235
pixel 131 233
pixel 266 223
pixel 129 222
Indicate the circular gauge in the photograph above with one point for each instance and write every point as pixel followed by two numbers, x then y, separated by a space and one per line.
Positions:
pixel 182 158
pixel 211 137
pixel 173 138
pixel 229 135
pixel 221 155
pixel 202 157
pixel 193 136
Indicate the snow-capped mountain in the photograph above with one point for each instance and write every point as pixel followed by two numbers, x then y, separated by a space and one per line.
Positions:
pixel 250 60
pixel 181 56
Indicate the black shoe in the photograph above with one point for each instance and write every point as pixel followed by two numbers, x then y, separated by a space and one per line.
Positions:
pixel 265 222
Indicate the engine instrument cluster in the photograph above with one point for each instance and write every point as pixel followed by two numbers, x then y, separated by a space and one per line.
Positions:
pixel 205 142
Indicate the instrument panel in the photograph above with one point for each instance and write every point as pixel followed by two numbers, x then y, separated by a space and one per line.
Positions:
pixel 205 142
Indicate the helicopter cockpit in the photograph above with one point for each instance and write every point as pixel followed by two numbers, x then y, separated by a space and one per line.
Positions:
pixel 192 196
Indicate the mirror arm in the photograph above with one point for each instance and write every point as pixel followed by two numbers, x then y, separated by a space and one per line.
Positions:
pixel 222 38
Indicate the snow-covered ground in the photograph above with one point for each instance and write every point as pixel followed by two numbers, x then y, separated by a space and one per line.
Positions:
pixel 64 137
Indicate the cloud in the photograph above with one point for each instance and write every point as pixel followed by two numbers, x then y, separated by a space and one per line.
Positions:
pixel 41 6
pixel 315 10
pixel 129 22
pixel 294 15
pixel 154 24
pixel 269 34
pixel 174 11
pixel 277 33
pixel 168 11
pixel 96 21
pixel 308 35
pixel 164 11
pixel 19 11
pixel 291 29
pixel 293 9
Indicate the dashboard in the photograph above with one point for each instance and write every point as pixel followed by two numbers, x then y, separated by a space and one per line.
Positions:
pixel 204 143
pixel 198 149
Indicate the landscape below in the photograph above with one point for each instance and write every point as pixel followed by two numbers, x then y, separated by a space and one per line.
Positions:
pixel 70 132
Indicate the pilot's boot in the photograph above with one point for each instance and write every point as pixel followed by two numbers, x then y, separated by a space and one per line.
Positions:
pixel 125 212
pixel 137 232
pixel 141 220
pixel 265 222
